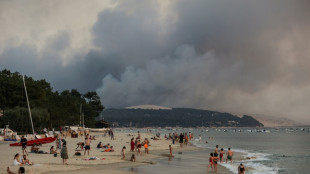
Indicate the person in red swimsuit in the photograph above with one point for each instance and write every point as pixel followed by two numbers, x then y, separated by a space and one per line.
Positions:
pixel 210 162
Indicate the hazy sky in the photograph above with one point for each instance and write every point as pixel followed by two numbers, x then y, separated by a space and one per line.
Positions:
pixel 242 56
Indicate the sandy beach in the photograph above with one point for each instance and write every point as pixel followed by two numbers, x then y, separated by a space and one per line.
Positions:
pixel 109 161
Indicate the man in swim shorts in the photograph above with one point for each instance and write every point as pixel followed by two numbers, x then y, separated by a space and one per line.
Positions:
pixel 23 141
pixel 87 145
pixel 230 154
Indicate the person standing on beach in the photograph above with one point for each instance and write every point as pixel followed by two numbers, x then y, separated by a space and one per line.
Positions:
pixel 136 144
pixel 170 148
pixel 216 150
pixel 123 153
pixel 210 162
pixel 23 141
pixel 230 154
pixel 112 135
pixel 221 154
pixel 181 137
pixel 64 153
pixel 215 160
pixel 132 145
pixel 173 138
pixel 87 145
pixel 139 147
pixel 186 139
pixel 146 145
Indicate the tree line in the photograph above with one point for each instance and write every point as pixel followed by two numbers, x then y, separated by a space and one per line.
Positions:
pixel 49 109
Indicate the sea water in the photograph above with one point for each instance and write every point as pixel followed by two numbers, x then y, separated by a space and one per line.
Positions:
pixel 281 150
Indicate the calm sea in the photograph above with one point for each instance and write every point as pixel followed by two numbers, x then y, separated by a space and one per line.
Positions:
pixel 282 150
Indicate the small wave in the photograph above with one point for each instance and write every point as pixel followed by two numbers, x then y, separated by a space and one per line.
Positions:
pixel 251 161
pixel 252 168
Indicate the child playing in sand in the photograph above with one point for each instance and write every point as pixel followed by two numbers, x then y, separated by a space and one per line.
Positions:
pixel 210 162
pixel 133 158
pixel 123 153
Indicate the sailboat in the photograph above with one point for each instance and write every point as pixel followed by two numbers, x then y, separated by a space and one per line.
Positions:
pixel 36 141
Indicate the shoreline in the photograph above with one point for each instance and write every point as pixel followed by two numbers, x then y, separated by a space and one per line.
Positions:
pixel 159 151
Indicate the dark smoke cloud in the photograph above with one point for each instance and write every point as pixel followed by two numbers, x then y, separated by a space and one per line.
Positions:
pixel 239 56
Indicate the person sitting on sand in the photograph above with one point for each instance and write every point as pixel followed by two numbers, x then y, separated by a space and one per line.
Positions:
pixel 25 161
pixel 133 158
pixel 16 160
pixel 210 162
pixel 52 151
pixel 99 145
pixel 107 146
pixel 123 153
pixel 34 149
pixel 21 170
pixel 109 149
pixel 230 154
pixel 93 138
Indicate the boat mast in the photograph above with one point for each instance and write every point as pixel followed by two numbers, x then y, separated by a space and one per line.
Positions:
pixel 80 114
pixel 28 105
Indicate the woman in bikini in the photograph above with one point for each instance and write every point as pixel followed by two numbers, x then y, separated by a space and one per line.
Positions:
pixel 215 160
pixel 221 154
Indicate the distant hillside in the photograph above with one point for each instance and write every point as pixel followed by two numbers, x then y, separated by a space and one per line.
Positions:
pixel 148 107
pixel 182 117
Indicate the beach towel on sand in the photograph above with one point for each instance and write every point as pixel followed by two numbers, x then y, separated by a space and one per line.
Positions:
pixel 93 158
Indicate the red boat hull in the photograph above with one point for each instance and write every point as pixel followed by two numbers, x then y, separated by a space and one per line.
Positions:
pixel 36 141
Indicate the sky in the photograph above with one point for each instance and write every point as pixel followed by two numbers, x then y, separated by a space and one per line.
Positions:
pixel 240 56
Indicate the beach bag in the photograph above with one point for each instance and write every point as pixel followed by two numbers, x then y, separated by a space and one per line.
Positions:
pixel 55 154
pixel 77 154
